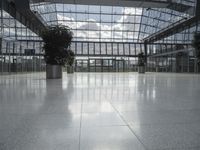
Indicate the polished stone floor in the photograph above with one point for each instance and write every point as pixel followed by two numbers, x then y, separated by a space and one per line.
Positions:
pixel 100 111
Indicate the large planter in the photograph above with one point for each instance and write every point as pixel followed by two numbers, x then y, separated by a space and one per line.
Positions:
pixel 141 69
pixel 53 71
pixel 70 69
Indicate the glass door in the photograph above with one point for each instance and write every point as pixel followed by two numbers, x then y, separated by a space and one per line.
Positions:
pixel 119 65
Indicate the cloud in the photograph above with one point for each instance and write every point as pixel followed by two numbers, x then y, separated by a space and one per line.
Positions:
pixel 91 27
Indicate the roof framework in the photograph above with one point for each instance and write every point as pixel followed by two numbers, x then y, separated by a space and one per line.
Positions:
pixel 113 23
pixel 108 22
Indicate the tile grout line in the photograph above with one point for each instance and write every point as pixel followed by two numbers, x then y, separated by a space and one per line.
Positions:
pixel 128 126
pixel 80 127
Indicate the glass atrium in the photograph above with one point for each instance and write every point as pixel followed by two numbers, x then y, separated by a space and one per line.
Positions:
pixel 107 37
pixel 108 102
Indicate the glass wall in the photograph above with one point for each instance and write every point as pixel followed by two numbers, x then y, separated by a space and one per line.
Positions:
pixel 107 49
pixel 171 58
pixel 106 38
pixel 106 56
pixel 105 64
pixel 20 48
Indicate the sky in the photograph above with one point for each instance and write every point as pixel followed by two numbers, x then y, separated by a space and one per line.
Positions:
pixel 90 24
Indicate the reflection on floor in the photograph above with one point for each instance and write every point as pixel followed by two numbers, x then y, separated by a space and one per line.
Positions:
pixel 100 111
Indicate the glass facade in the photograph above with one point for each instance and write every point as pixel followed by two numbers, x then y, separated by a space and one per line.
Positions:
pixel 106 38
pixel 94 23
pixel 20 48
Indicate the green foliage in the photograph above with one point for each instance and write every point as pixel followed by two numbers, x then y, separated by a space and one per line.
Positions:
pixel 70 58
pixel 196 45
pixel 141 59
pixel 57 40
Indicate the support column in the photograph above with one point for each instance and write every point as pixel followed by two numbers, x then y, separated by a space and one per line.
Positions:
pixel 145 53
pixel 1 24
pixel 1 35
pixel 198 10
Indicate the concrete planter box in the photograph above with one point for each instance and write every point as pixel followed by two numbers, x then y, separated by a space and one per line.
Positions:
pixel 70 69
pixel 53 72
pixel 141 69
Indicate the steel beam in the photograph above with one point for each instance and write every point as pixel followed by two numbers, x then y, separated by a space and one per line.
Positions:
pixel 20 11
pixel 169 53
pixel 198 10
pixel 125 3
pixel 171 30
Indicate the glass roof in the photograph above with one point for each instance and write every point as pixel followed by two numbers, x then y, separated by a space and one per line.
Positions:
pixel 110 23
pixel 12 29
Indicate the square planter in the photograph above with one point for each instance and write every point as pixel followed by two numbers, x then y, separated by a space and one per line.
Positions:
pixel 53 72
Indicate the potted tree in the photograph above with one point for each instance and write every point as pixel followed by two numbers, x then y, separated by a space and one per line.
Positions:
pixel 196 45
pixel 70 61
pixel 141 63
pixel 57 40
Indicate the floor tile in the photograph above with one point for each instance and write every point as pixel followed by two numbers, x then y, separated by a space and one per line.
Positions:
pixel 109 138
pixel 101 119
pixel 118 111
pixel 160 137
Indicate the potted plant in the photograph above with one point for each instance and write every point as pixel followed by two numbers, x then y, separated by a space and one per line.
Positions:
pixel 57 40
pixel 196 45
pixel 70 61
pixel 141 63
